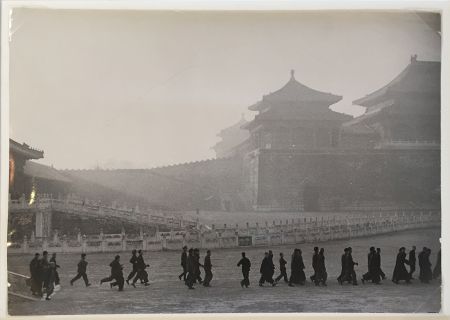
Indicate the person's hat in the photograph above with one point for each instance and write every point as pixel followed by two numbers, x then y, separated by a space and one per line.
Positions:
pixel 133 251
pixel 185 247
pixel 83 255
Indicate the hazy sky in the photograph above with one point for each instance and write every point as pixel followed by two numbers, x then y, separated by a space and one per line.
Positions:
pixel 129 89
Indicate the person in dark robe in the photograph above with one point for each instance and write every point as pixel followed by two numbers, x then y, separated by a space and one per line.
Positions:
pixel 375 268
pixel 44 269
pixel 266 270
pixel 437 267
pixel 207 266
pixel 53 259
pixel 116 274
pixel 197 265
pixel 50 280
pixel 297 267
pixel 283 273
pixel 372 272
pixel 315 263
pixel 134 270
pixel 141 273
pixel 245 265
pixel 351 267
pixel 36 287
pixel 273 264
pixel 426 274
pixel 183 263
pixel 412 261
pixel 321 275
pixel 400 272
pixel 342 274
pixel 81 271
pixel 378 262
pixel 190 268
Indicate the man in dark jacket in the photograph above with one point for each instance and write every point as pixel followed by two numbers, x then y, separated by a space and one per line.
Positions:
pixel 351 267
pixel 412 261
pixel 116 274
pixel 400 272
pixel 283 273
pixel 183 263
pixel 371 269
pixel 315 263
pixel 425 266
pixel 208 269
pixel 36 283
pixel 50 281
pixel 321 275
pixel 81 271
pixel 53 259
pixel 266 270
pixel 245 263
pixel 141 274
pixel 190 268
pixel 134 269
pixel 341 277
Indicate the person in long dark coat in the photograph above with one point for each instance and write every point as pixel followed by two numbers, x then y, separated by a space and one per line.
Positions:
pixel 141 274
pixel 36 287
pixel 437 267
pixel 425 266
pixel 266 270
pixel 378 260
pixel 351 267
pixel 297 267
pixel 116 274
pixel 81 271
pixel 412 261
pixel 197 265
pixel 190 268
pixel 343 271
pixel 207 266
pixel 53 259
pixel 183 263
pixel 134 270
pixel 50 280
pixel 400 272
pixel 44 269
pixel 372 266
pixel 283 273
pixel 246 264
pixel 315 263
pixel 273 265
pixel 321 275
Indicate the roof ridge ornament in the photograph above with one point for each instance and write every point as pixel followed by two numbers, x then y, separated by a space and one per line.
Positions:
pixel 292 74
pixel 413 58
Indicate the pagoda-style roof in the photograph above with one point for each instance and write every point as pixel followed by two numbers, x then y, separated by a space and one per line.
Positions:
pixel 294 93
pixel 231 130
pixel 41 171
pixel 422 77
pixel 232 136
pixel 25 150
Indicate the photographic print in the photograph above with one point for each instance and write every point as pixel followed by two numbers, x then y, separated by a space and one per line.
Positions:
pixel 224 161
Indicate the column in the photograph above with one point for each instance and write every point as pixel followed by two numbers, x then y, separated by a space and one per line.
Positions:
pixel 39 224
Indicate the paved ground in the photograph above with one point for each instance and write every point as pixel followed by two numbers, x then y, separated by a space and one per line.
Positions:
pixel 168 295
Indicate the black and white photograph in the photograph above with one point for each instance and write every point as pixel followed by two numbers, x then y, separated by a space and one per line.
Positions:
pixel 223 161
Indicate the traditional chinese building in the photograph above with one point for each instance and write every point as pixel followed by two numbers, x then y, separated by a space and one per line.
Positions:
pixel 234 140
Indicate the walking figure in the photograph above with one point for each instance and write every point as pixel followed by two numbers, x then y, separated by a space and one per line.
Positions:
pixel 208 269
pixel 315 263
pixel 400 272
pixel 81 271
pixel 36 287
pixel 283 273
pixel 297 267
pixel 245 263
pixel 321 276
pixel 190 262
pixel 134 269
pixel 53 259
pixel 426 275
pixel 183 264
pixel 141 274
pixel 266 270
pixel 116 274
pixel 412 261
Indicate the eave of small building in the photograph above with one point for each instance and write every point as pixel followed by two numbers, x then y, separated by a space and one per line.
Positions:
pixel 25 150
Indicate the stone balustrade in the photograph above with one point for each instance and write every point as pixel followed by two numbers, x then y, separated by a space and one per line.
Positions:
pixel 292 231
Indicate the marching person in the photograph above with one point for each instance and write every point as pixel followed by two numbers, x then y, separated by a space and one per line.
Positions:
pixel 372 273
pixel 190 267
pixel 412 261
pixel 134 270
pixel 81 271
pixel 297 267
pixel 378 264
pixel 425 266
pixel 53 259
pixel 116 274
pixel 245 263
pixel 36 287
pixel 315 261
pixel 283 273
pixel 266 270
pixel 400 272
pixel 208 269
pixel 141 274
pixel 183 263
pixel 343 270
pixel 321 276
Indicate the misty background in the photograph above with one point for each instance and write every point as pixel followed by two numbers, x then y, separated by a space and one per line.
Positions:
pixel 138 89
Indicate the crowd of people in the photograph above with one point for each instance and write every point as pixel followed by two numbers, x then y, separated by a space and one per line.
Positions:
pixel 45 279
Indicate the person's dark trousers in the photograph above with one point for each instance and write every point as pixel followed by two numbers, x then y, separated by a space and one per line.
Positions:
pixel 183 274
pixel 78 276
pixel 265 278
pixel 208 278
pixel 142 275
pixel 411 270
pixel 246 281
pixel 190 280
pixel 283 274
pixel 132 274
pixel 119 282
pixel 57 280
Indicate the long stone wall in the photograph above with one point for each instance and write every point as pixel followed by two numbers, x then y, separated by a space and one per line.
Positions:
pixel 267 234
